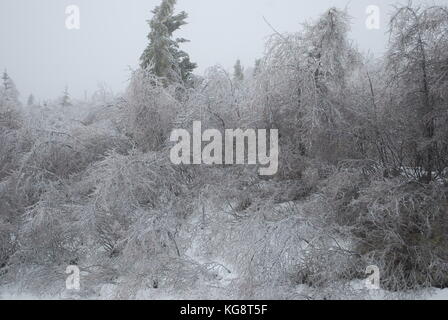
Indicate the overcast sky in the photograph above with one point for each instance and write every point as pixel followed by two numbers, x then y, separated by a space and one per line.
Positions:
pixel 42 55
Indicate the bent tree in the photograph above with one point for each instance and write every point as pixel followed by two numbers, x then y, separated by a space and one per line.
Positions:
pixel 417 62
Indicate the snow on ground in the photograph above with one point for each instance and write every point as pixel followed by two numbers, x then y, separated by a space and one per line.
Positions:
pixel 108 291
pixel 219 286
pixel 439 294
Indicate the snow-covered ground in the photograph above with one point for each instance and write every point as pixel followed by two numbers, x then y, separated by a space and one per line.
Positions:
pixel 108 292
pixel 222 275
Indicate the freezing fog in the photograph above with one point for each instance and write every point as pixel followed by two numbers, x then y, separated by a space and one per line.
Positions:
pixel 44 56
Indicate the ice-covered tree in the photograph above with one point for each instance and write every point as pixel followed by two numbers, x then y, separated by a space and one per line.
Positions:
pixel 417 67
pixel 257 66
pixel 238 71
pixel 9 104
pixel 30 101
pixel 302 84
pixel 65 99
pixel 9 91
pixel 163 55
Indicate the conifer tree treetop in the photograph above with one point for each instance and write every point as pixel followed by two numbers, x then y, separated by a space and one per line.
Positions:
pixel 163 55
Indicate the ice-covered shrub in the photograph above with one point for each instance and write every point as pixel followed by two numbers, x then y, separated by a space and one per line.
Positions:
pixel 137 204
pixel 219 100
pixel 97 142
pixel 343 186
pixel 402 227
pixel 326 263
pixel 58 156
pixel 398 225
pixel 10 217
pixel 8 242
pixel 48 162
pixel 157 245
pixel 52 236
pixel 11 149
pixel 15 141
pixel 51 233
pixel 269 247
pixel 124 185
pixel 148 111
pixel 270 244
pixel 10 115
pixel 14 137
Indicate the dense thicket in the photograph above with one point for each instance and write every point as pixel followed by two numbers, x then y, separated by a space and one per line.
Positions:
pixel 362 178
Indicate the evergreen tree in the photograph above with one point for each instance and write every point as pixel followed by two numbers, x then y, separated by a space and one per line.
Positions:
pixel 163 55
pixel 9 105
pixel 30 101
pixel 9 91
pixel 65 99
pixel 238 71
pixel 257 66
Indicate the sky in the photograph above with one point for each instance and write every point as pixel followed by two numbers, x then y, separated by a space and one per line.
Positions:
pixel 42 56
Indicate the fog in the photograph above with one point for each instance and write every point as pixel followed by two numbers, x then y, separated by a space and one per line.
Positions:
pixel 43 56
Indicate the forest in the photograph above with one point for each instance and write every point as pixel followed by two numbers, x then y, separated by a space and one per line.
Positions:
pixel 362 175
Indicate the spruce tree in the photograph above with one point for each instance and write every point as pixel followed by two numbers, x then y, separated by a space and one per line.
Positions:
pixel 9 91
pixel 238 71
pixel 30 101
pixel 65 99
pixel 163 56
pixel 257 67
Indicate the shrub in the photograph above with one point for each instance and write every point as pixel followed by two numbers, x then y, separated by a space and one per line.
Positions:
pixel 8 242
pixel 402 227
pixel 123 186
pixel 148 111
pixel 344 185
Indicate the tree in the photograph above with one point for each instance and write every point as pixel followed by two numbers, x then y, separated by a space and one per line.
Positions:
pixel 30 101
pixel 257 67
pixel 9 91
pixel 65 99
pixel 163 56
pixel 303 84
pixel 238 71
pixel 417 64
